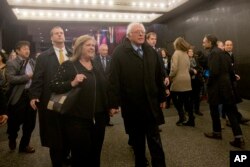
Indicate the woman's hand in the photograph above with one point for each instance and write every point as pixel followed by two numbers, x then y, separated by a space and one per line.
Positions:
pixel 78 79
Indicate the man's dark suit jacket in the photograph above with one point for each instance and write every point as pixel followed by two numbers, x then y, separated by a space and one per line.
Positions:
pixel 98 61
pixel 46 66
pixel 17 78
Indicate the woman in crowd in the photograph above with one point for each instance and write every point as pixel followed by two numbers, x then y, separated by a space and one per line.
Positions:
pixel 166 60
pixel 181 82
pixel 196 82
pixel 85 122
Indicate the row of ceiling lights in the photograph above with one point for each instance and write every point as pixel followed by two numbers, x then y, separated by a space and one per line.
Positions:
pixel 81 15
pixel 103 2
pixel 112 10
pixel 163 4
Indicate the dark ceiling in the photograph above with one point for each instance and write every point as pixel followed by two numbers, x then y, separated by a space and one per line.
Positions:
pixel 39 30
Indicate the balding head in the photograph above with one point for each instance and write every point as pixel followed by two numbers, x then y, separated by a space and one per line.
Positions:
pixel 220 45
pixel 103 49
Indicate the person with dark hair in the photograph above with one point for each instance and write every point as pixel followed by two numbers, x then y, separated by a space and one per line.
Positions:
pixel 3 88
pixel 136 85
pixel 19 74
pixel 47 64
pixel 166 63
pixel 229 52
pixel 196 81
pixel 219 87
pixel 181 82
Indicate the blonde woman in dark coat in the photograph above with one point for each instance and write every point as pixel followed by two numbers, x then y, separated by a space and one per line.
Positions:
pixel 181 82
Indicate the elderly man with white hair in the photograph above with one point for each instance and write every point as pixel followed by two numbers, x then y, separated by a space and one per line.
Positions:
pixel 136 85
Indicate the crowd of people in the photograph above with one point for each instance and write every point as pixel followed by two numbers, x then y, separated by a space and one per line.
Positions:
pixel 137 79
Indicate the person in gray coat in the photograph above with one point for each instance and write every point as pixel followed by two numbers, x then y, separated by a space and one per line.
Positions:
pixel 19 74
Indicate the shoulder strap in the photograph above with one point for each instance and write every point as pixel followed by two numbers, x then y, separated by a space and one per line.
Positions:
pixel 75 67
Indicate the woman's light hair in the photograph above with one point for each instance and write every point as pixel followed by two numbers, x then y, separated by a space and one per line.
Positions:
pixel 181 44
pixel 131 26
pixel 77 52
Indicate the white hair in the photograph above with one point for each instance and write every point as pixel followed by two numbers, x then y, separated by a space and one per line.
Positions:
pixel 131 26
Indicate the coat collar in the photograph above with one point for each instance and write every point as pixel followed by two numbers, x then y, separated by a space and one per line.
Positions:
pixel 128 46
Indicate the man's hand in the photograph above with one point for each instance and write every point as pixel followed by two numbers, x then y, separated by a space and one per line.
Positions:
pixel 33 103
pixel 167 92
pixel 166 81
pixel 237 77
pixel 113 111
pixel 163 105
pixel 3 119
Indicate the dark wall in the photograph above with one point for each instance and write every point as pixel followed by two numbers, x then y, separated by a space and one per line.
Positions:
pixel 227 19
pixel 11 30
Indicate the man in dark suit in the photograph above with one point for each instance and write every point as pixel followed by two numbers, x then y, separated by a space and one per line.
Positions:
pixel 19 74
pixel 219 88
pixel 50 124
pixel 229 52
pixel 103 60
pixel 136 85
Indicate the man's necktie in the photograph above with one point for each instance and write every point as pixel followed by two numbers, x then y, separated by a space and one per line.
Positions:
pixel 104 63
pixel 139 52
pixel 61 56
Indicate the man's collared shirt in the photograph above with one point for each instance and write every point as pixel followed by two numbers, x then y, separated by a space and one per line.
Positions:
pixel 58 54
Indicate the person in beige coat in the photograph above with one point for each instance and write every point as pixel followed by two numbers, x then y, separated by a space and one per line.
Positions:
pixel 181 82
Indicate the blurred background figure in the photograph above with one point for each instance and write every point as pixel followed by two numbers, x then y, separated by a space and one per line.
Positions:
pixel 196 82
pixel 166 61
pixel 103 60
pixel 220 45
pixel 12 55
pixel 181 82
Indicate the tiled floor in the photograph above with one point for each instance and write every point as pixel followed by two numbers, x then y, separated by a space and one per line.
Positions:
pixel 183 146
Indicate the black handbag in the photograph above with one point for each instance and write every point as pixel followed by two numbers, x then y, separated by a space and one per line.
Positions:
pixel 64 102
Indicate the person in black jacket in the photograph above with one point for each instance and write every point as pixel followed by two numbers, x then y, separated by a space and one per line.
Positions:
pixel 167 64
pixel 235 78
pixel 47 64
pixel 84 124
pixel 220 91
pixel 136 85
